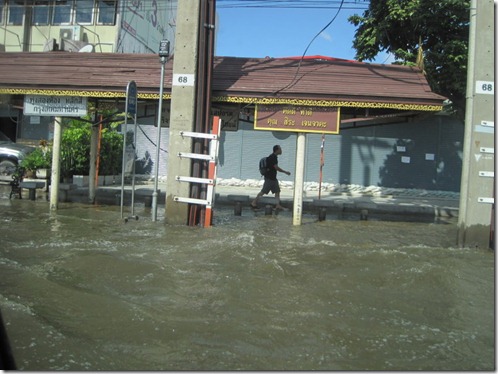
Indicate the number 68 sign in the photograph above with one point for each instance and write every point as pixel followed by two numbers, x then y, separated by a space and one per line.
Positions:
pixel 183 79
pixel 485 87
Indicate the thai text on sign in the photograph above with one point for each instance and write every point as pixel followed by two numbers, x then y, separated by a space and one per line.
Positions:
pixel 65 106
pixel 297 118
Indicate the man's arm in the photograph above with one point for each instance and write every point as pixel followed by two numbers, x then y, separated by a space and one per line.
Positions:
pixel 278 168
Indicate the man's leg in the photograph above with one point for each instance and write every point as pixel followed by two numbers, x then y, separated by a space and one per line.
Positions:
pixel 264 190
pixel 254 203
pixel 277 198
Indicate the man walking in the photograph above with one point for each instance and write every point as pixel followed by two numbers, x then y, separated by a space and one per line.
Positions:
pixel 271 181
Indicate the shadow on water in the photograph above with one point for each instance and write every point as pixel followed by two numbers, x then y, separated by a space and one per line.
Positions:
pixel 81 290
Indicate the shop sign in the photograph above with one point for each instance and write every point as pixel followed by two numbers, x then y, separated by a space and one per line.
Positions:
pixel 323 120
pixel 229 116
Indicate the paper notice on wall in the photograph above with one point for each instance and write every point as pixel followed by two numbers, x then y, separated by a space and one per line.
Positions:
pixel 405 160
pixel 429 156
pixel 401 148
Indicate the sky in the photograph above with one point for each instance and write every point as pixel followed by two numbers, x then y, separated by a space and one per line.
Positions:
pixel 284 32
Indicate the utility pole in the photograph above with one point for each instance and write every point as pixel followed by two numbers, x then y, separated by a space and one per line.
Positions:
pixel 56 164
pixel 477 186
pixel 183 102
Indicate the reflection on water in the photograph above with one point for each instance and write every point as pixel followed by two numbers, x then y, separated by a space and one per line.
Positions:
pixel 81 290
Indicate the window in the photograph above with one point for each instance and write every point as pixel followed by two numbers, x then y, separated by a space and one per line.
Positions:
pixel 84 11
pixel 2 4
pixel 107 12
pixel 16 12
pixel 41 12
pixel 62 12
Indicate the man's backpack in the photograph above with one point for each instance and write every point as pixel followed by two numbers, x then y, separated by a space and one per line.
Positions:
pixel 263 168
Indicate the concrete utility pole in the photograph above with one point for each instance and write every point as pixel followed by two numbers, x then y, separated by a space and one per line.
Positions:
pixel 477 191
pixel 299 179
pixel 182 118
pixel 56 164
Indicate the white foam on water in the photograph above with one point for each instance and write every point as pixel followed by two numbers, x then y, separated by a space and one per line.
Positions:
pixel 18 306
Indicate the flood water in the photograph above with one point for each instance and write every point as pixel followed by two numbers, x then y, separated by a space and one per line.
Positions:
pixel 82 290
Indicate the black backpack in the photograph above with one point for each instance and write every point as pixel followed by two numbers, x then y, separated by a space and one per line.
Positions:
pixel 263 168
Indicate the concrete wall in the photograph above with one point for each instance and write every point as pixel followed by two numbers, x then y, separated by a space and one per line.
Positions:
pixel 424 154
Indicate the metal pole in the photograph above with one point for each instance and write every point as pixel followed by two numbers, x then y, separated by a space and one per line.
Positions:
pixel 158 141
pixel 133 169
pixel 124 158
pixel 92 187
pixel 321 167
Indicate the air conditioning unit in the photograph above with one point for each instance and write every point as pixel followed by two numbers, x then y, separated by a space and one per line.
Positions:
pixel 71 33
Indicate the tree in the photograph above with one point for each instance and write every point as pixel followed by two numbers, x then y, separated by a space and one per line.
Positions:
pixel 440 26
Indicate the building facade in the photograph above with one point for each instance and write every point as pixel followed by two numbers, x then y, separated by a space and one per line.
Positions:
pixel 122 26
pixel 424 152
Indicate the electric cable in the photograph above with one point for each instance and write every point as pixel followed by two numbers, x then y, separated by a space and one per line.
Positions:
pixel 288 4
pixel 149 139
pixel 309 45
pixel 301 59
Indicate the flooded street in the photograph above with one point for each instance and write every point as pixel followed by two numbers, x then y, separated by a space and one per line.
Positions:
pixel 81 290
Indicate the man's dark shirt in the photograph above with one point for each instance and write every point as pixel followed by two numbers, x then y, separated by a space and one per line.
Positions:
pixel 271 161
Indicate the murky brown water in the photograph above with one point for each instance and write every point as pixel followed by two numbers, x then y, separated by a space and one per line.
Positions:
pixel 81 290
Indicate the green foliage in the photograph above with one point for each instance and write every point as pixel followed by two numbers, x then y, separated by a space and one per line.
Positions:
pixel 75 149
pixel 395 26
pixel 40 158
pixel 111 153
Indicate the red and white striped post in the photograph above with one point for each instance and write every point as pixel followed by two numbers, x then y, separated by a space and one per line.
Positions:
pixel 213 151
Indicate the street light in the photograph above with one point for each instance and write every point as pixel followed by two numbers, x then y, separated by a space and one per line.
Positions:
pixel 163 54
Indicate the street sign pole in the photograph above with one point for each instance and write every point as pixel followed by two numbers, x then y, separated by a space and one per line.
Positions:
pixel 130 107
pixel 163 54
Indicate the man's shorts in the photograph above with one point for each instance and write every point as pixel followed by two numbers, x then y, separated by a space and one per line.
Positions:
pixel 270 185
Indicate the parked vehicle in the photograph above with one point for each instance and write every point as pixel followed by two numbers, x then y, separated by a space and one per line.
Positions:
pixel 10 155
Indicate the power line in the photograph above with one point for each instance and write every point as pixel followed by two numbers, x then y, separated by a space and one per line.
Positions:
pixel 272 4
pixel 309 45
pixel 294 4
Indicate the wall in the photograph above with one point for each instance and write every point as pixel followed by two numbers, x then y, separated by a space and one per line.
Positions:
pixel 424 154
pixel 145 23
pixel 139 27
pixel 102 37
pixel 394 155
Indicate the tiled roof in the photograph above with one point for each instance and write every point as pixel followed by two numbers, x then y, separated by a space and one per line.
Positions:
pixel 243 79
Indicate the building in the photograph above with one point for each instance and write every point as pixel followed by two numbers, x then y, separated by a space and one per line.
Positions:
pixel 107 26
pixel 392 130
pixel 391 145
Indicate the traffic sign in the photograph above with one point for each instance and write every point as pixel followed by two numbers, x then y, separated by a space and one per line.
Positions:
pixel 131 98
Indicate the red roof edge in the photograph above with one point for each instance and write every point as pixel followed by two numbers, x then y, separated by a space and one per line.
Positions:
pixel 317 57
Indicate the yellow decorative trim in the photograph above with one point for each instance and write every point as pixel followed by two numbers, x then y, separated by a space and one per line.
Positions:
pixel 96 94
pixel 229 99
pixel 327 103
pixel 153 96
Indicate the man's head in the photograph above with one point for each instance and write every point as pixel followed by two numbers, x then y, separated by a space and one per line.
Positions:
pixel 277 150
